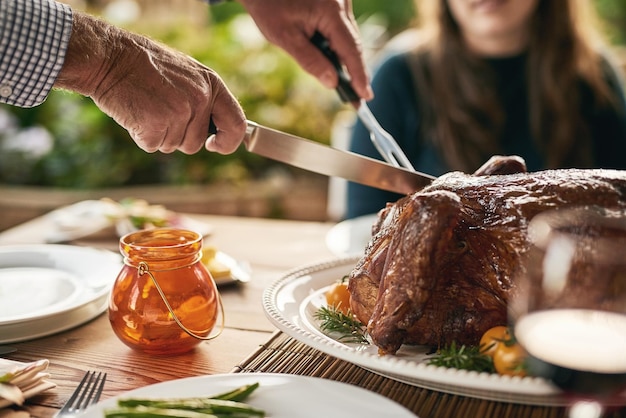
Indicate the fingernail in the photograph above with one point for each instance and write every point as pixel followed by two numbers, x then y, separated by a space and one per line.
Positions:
pixel 328 80
pixel 209 144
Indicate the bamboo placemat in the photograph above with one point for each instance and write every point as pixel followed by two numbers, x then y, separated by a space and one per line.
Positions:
pixel 283 354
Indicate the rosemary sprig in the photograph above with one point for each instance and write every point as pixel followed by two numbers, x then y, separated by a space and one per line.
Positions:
pixel 342 327
pixel 462 357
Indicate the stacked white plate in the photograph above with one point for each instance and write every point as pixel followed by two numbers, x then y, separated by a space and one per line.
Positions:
pixel 45 289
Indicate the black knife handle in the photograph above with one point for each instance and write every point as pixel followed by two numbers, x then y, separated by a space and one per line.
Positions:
pixel 344 88
pixel 212 127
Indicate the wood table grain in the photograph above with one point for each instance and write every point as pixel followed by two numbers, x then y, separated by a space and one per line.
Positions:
pixel 249 342
pixel 272 247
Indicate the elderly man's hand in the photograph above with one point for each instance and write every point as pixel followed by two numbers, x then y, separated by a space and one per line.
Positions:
pixel 164 98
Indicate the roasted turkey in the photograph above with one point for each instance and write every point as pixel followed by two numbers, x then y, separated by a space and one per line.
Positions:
pixel 441 263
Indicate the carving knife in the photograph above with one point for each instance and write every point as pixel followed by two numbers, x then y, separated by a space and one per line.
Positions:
pixel 323 159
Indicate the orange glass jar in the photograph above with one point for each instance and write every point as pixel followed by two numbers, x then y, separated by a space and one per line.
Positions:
pixel 164 300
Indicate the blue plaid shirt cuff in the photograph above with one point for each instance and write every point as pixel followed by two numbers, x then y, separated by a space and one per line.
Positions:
pixel 34 35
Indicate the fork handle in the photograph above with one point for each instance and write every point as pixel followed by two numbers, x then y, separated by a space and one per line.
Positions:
pixel 344 87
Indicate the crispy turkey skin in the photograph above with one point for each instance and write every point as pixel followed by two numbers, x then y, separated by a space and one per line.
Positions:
pixel 441 263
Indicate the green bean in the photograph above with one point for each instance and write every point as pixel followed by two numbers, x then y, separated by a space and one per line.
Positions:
pixel 239 394
pixel 205 405
pixel 227 404
pixel 148 412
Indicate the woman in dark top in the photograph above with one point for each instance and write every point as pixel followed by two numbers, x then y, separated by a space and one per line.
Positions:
pixel 516 77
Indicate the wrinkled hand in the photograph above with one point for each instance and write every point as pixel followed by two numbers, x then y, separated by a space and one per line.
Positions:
pixel 290 24
pixel 164 98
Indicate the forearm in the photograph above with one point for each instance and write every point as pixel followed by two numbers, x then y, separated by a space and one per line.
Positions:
pixel 164 98
pixel 33 40
pixel 91 51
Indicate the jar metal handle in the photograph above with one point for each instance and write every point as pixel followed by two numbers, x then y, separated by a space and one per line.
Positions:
pixel 142 268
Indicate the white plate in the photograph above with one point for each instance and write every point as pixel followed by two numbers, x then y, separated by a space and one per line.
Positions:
pixel 88 217
pixel 350 237
pixel 291 301
pixel 45 289
pixel 279 395
pixel 125 226
pixel 78 220
pixel 240 271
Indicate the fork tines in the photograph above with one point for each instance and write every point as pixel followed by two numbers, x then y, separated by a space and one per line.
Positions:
pixel 87 393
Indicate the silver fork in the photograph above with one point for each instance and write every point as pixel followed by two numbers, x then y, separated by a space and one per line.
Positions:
pixel 87 393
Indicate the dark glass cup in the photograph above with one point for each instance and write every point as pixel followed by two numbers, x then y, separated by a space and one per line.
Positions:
pixel 569 312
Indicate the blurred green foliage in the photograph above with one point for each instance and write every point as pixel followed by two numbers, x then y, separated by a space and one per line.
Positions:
pixel 68 142
pixel 613 14
pixel 91 151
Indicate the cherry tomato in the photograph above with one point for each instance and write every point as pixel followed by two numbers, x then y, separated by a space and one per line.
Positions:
pixel 509 360
pixel 339 296
pixel 507 355
pixel 493 338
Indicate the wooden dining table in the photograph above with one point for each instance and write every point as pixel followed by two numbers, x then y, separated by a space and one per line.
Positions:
pixel 271 247
pixel 249 342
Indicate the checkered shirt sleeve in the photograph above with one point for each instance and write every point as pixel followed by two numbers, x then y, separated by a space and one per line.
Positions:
pixel 33 40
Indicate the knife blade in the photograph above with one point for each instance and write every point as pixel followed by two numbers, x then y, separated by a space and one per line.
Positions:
pixel 323 159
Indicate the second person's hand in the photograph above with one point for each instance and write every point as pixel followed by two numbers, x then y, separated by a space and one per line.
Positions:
pixel 290 25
